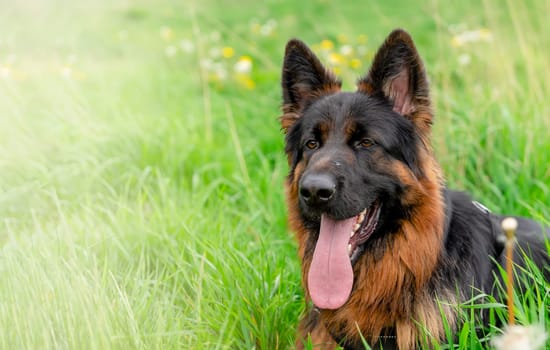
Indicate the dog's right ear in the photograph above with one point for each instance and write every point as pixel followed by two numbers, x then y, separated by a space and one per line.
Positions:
pixel 398 74
pixel 304 78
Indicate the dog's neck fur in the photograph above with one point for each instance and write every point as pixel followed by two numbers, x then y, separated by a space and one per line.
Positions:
pixel 392 293
pixel 392 315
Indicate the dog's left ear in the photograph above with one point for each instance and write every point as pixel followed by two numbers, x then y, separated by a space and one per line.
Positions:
pixel 398 73
pixel 304 78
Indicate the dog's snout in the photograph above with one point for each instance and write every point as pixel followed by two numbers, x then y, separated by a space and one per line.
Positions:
pixel 317 188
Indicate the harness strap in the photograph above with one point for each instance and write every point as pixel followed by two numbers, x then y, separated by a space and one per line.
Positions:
pixel 494 226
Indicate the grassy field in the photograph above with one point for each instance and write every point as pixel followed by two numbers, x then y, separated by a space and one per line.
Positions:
pixel 141 161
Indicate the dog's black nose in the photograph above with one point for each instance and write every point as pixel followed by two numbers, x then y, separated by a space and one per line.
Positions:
pixel 317 188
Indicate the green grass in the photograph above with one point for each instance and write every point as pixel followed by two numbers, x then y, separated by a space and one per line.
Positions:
pixel 141 197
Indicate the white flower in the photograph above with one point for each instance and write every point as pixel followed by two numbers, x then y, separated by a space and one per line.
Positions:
pixel 243 65
pixel 521 338
pixel 268 28
pixel 5 72
pixel 220 72
pixel 170 51
pixel 346 50
pixel 471 36
pixel 464 59
pixel 187 46
pixel 206 63
pixel 66 72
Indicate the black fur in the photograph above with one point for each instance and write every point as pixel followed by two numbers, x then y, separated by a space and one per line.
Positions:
pixel 475 234
pixel 354 140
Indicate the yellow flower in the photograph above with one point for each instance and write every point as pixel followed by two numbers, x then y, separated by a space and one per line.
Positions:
pixel 166 33
pixel 485 34
pixel 249 84
pixel 456 41
pixel 355 63
pixel 245 81
pixel 70 73
pixel 335 58
pixel 255 27
pixel 228 52
pixel 362 39
pixel 327 45
pixel 217 76
pixel 342 38
pixel 5 72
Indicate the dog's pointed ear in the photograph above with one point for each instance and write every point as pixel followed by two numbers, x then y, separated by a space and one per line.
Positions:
pixel 304 78
pixel 398 73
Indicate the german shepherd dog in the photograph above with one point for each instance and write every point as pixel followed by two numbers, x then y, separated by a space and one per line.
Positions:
pixel 387 251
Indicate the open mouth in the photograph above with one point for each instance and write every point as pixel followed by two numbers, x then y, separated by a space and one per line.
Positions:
pixel 339 246
pixel 365 225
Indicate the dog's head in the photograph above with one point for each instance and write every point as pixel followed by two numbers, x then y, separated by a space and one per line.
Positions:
pixel 359 161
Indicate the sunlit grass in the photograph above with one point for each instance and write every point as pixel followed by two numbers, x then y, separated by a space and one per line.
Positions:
pixel 141 199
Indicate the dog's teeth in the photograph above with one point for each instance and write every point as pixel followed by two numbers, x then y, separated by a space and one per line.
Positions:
pixel 356 227
pixel 362 215
pixel 349 248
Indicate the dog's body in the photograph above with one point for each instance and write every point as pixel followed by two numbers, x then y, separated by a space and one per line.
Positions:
pixel 387 251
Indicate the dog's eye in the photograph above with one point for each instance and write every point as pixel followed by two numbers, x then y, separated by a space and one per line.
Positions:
pixel 312 144
pixel 366 143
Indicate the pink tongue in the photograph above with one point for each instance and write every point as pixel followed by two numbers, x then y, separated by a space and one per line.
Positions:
pixel 330 277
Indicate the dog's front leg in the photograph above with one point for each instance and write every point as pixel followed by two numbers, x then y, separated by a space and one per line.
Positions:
pixel 312 331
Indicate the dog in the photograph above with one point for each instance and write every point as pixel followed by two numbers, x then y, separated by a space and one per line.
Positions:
pixel 387 251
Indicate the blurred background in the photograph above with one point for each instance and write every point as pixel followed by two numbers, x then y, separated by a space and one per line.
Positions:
pixel 142 164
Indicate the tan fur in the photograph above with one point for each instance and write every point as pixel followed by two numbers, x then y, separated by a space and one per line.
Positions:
pixel 390 292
